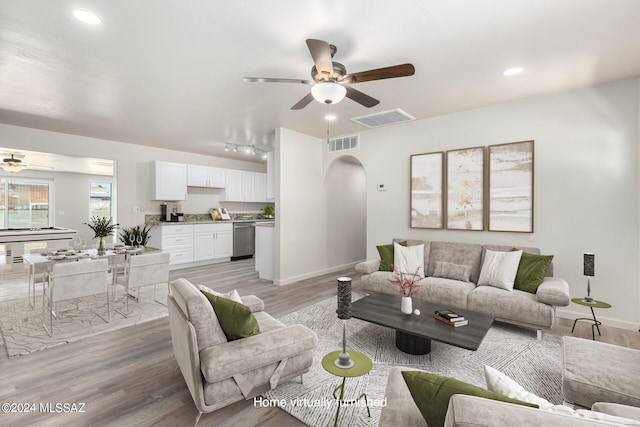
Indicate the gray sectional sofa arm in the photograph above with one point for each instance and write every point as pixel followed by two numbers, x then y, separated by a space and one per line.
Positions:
pixel 247 354
pixel 368 267
pixel 554 291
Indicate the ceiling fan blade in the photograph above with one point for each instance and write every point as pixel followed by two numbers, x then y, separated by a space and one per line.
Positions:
pixel 361 98
pixel 275 80
pixel 321 54
pixel 402 70
pixel 303 102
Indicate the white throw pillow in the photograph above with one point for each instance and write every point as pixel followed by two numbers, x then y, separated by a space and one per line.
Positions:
pixel 408 259
pixel 500 269
pixel 233 295
pixel 501 383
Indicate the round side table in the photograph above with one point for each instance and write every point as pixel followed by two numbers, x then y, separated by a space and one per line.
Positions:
pixel 362 364
pixel 593 304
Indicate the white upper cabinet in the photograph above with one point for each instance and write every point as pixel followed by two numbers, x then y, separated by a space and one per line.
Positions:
pixel 260 187
pixel 233 190
pixel 168 181
pixel 205 176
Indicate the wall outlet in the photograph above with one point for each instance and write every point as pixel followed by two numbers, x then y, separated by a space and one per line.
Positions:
pixel 61 213
pixel 382 187
pixel 136 209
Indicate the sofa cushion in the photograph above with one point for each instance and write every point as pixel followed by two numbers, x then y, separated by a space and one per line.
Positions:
pixel 515 307
pixel 456 253
pixel 236 319
pixel 432 392
pixel 499 269
pixel 447 270
pixel 414 242
pixel 198 310
pixel 408 260
pixel 498 382
pixel 531 271
pixel 386 253
pixel 445 292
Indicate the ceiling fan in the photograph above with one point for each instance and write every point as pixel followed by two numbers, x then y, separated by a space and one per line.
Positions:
pixel 12 164
pixel 330 80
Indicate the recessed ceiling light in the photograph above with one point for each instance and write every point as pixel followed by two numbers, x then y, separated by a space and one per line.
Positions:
pixel 330 117
pixel 87 16
pixel 512 71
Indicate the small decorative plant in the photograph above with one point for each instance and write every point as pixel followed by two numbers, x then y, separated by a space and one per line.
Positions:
pixel 268 210
pixel 138 235
pixel 406 283
pixel 102 227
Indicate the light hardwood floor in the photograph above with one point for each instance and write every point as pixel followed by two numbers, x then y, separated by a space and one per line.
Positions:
pixel 129 377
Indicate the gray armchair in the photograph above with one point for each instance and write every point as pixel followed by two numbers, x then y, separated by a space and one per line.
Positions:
pixel 219 373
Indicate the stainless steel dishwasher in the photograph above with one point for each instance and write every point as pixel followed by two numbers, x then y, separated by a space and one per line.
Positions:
pixel 244 239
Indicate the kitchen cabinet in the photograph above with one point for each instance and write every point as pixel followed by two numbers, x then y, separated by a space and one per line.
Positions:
pixel 168 181
pixel 212 241
pixel 233 190
pixel 259 187
pixel 175 239
pixel 205 176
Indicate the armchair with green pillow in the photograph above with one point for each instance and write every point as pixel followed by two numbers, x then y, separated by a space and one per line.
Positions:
pixel 228 349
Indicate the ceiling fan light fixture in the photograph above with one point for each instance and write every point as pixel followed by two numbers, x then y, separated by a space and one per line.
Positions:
pixel 12 166
pixel 328 92
pixel 512 71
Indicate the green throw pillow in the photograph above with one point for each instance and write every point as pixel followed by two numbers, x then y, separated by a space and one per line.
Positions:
pixel 236 320
pixel 531 271
pixel 432 392
pixel 386 256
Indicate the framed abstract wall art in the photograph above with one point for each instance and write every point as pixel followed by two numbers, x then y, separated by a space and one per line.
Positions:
pixel 465 185
pixel 427 186
pixel 510 178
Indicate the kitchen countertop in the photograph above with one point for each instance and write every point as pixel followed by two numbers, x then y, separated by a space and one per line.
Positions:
pixel 202 221
pixel 265 223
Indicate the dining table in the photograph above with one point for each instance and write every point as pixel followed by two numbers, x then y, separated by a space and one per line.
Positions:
pixel 41 263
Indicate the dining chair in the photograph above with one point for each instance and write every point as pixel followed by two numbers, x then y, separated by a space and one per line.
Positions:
pixel 37 272
pixel 143 270
pixel 73 280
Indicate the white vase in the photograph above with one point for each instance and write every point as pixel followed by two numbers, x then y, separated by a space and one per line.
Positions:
pixel 406 306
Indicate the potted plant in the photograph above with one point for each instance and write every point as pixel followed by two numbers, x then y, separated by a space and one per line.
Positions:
pixel 137 236
pixel 102 227
pixel 268 211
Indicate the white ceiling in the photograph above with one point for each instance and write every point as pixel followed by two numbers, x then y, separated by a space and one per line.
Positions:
pixel 169 73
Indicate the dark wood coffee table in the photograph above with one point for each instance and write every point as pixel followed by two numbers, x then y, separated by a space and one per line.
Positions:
pixel 414 333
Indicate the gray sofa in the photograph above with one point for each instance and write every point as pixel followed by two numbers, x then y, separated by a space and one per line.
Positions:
pixel 607 388
pixel 220 372
pixel 536 311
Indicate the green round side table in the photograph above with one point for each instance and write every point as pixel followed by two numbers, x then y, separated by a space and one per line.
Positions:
pixel 362 364
pixel 593 304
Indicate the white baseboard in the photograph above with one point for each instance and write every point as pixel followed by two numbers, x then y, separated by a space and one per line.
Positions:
pixel 317 273
pixel 601 316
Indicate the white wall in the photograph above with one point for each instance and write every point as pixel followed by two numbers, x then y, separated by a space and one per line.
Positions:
pixel 132 169
pixel 586 184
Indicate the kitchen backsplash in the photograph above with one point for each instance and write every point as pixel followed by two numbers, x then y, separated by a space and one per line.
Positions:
pixel 155 219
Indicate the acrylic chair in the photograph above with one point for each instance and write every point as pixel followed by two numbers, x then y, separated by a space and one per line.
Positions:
pixel 143 270
pixel 73 280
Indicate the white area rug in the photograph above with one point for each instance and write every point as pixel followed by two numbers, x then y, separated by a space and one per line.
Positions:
pixel 24 334
pixel 515 351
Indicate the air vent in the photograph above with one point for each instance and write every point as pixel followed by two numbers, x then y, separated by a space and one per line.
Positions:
pixel 383 118
pixel 345 143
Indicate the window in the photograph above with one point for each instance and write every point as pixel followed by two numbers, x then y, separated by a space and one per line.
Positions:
pixel 25 203
pixel 100 199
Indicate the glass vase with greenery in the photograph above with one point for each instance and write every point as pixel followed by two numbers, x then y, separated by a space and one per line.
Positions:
pixel 102 227
pixel 137 236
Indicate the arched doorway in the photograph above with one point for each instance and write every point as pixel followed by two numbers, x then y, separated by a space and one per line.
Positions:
pixel 345 184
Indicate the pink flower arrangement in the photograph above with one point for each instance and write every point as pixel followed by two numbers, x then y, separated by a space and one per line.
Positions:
pixel 406 283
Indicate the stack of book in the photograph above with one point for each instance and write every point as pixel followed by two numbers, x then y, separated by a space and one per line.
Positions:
pixel 450 317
